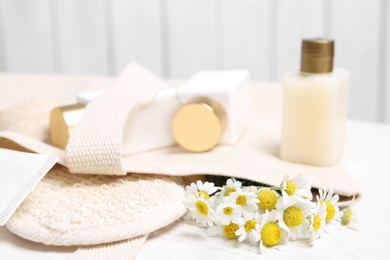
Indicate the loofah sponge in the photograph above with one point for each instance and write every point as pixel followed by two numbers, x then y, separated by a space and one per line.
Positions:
pixel 71 209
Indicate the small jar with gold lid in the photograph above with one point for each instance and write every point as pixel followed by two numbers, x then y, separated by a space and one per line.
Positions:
pixel 216 109
pixel 314 107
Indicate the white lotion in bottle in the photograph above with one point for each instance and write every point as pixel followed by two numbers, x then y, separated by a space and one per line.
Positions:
pixel 314 107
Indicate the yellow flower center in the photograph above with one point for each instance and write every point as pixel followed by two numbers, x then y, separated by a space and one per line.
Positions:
pixel 348 211
pixel 268 199
pixel 346 218
pixel 229 230
pixel 227 210
pixel 293 216
pixel 228 191
pixel 241 200
pixel 202 207
pixel 316 222
pixel 270 234
pixel 330 211
pixel 205 194
pixel 291 188
pixel 250 225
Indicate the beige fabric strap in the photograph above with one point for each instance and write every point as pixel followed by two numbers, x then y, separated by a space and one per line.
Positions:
pixel 95 143
pixel 94 146
pixel 121 250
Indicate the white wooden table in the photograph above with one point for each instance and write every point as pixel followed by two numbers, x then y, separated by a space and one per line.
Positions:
pixel 368 157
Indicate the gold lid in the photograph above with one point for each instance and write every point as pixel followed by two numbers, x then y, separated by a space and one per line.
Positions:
pixel 62 120
pixel 199 124
pixel 317 55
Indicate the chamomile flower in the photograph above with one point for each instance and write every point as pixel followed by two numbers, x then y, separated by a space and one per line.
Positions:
pixel 268 199
pixel 248 227
pixel 245 198
pixel 271 234
pixel 349 218
pixel 228 212
pixel 200 210
pixel 228 230
pixel 317 221
pixel 232 185
pixel 298 187
pixel 200 188
pixel 333 213
pixel 293 216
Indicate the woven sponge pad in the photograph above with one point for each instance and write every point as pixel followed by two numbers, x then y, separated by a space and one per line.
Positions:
pixel 71 209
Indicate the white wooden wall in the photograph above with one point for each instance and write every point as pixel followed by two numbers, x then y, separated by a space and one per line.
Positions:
pixel 176 38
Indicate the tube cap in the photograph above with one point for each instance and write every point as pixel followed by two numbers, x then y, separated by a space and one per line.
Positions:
pixel 62 120
pixel 199 124
pixel 317 55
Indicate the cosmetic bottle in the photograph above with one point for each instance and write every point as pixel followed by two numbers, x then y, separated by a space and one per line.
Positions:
pixel 314 107
pixel 216 109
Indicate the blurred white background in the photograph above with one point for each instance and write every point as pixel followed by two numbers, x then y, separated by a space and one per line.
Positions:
pixel 174 39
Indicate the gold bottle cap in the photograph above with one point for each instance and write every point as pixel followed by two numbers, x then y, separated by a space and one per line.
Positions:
pixel 62 120
pixel 198 125
pixel 317 55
